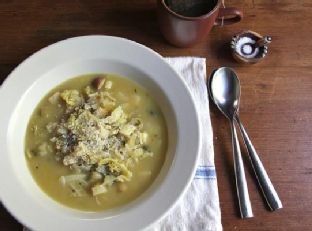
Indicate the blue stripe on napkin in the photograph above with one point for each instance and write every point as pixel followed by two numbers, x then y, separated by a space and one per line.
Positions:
pixel 205 172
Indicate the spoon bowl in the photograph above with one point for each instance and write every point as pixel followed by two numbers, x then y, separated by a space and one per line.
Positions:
pixel 226 91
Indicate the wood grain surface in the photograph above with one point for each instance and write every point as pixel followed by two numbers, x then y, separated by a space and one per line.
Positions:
pixel 276 100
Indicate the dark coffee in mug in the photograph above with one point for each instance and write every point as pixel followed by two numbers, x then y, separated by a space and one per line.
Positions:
pixel 191 8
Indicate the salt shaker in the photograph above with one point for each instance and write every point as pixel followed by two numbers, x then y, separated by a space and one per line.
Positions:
pixel 249 46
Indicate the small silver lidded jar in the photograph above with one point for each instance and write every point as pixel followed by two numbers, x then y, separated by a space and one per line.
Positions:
pixel 249 46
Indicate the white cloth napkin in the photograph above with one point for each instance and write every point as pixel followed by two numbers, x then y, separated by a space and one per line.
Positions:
pixel 198 209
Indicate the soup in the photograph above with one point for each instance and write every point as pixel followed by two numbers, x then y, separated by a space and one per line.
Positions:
pixel 96 142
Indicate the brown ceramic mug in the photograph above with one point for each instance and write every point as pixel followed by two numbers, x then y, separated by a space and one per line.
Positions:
pixel 184 28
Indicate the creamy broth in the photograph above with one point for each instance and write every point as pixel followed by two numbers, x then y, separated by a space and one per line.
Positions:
pixel 48 168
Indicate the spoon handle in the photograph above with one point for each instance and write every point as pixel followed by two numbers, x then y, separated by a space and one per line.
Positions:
pixel 241 184
pixel 263 179
pixel 262 42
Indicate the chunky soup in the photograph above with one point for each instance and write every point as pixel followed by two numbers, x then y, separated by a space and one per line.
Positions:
pixel 96 142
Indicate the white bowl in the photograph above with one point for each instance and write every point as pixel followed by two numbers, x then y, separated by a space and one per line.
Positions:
pixel 32 79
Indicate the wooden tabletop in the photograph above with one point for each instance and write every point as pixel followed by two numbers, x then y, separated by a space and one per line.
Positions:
pixel 276 99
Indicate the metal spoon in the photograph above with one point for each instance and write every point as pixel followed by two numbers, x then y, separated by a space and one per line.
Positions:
pixel 263 179
pixel 225 90
pixel 264 41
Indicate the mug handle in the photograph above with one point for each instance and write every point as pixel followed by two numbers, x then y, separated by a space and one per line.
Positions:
pixel 230 16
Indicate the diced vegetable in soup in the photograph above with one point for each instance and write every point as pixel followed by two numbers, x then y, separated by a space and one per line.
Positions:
pixel 96 142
